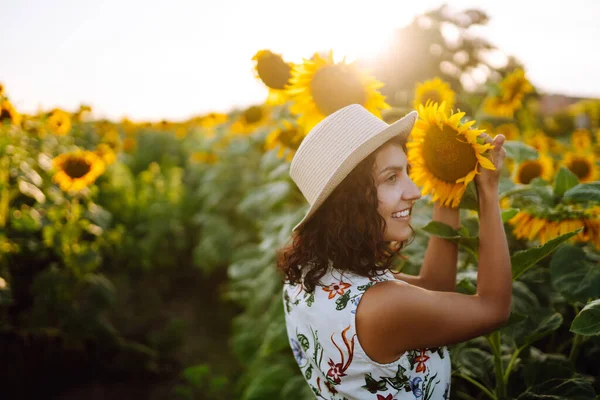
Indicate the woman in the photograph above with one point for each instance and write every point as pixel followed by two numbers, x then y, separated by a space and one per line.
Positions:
pixel 357 330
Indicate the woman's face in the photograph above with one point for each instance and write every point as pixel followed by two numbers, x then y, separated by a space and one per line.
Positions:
pixel 395 190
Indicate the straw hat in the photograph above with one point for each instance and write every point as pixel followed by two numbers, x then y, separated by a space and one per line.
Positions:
pixel 335 146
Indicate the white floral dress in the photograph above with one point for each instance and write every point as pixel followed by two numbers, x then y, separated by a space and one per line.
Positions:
pixel 322 334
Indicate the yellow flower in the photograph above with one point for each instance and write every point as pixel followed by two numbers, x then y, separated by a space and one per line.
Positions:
pixel 527 225
pixel 319 87
pixel 107 154
pixel 581 140
pixel 211 120
pixel 445 154
pixel 497 107
pixel 251 119
pixel 435 90
pixel 513 88
pixel 77 170
pixel 275 73
pixel 538 141
pixel 112 138
pixel 510 131
pixel 1 89
pixel 287 137
pixel 8 114
pixel 59 122
pixel 530 169
pixel 582 165
pixel 204 157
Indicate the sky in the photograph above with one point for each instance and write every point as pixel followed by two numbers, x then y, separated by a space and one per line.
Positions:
pixel 149 60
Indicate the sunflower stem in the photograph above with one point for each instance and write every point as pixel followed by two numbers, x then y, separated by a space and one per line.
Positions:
pixel 512 361
pixel 479 385
pixel 495 343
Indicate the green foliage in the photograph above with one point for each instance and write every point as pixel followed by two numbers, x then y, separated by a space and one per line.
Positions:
pixel 587 322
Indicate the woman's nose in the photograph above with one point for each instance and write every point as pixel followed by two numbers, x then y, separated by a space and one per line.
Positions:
pixel 413 192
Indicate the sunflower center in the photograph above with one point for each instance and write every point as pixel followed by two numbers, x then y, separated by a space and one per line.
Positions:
pixel 580 168
pixel 530 171
pixel 5 114
pixel 290 139
pixel 448 156
pixel 77 167
pixel 432 95
pixel 336 86
pixel 253 114
pixel 273 71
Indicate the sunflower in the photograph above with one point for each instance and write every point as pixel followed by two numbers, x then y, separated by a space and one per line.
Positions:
pixel 515 86
pixel 106 153
pixel 77 170
pixel 435 90
pixel 545 226
pixel 251 119
pixel 538 141
pixel 59 122
pixel 497 107
pixel 509 130
pixel 112 138
pixel 582 165
pixel 8 114
pixel 275 73
pixel 528 170
pixel 445 154
pixel 512 90
pixel 319 87
pixel 581 140
pixel 287 137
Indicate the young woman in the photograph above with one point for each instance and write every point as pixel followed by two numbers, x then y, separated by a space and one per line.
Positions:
pixel 357 330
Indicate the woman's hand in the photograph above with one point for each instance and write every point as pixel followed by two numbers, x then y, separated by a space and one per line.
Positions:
pixel 488 180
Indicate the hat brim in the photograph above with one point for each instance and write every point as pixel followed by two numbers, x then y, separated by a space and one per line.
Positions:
pixel 401 127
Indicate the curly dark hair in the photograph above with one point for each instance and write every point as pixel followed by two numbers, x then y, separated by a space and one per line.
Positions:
pixel 347 229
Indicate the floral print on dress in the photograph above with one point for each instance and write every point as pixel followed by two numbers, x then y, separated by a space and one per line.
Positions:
pixel 331 367
pixel 336 372
pixel 336 288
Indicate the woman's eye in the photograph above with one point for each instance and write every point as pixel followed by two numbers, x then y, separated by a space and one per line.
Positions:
pixel 392 178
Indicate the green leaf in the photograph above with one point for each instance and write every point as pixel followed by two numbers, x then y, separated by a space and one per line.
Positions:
pixel 442 230
pixel 473 362
pixel 587 322
pixel 263 198
pixel 564 181
pixel 303 342
pixel 574 275
pixel 522 260
pixel 560 389
pixel 545 366
pixel 519 151
pixel 538 323
pixel 196 375
pixel 584 192
pixel 342 301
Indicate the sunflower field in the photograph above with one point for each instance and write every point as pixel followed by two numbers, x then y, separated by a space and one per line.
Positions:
pixel 138 258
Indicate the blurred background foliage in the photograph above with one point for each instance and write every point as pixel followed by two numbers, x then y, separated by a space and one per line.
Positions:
pixel 147 269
